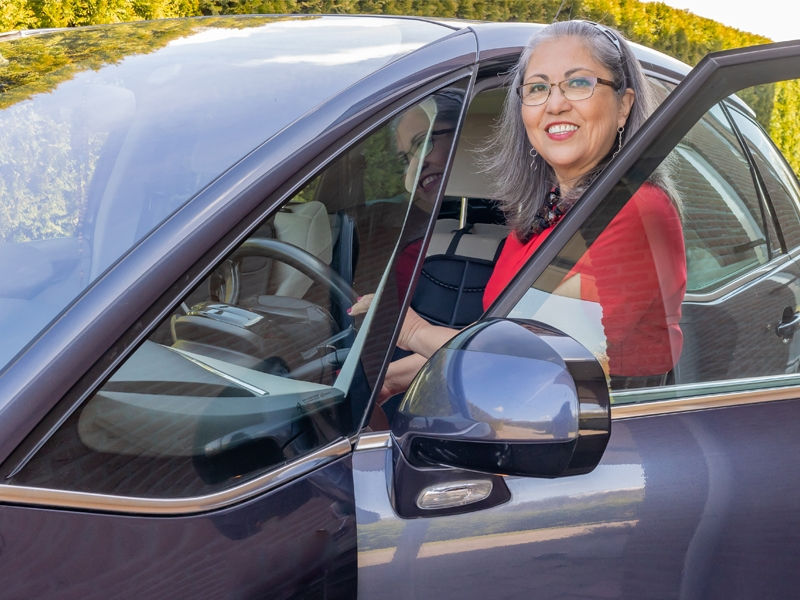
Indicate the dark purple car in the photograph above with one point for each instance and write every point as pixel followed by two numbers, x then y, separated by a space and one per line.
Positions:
pixel 187 410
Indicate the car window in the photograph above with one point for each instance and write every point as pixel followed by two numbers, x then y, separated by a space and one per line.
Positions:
pixel 778 178
pixel 98 147
pixel 726 231
pixel 687 288
pixel 262 363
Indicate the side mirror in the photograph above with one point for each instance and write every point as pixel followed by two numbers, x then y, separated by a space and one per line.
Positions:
pixel 509 398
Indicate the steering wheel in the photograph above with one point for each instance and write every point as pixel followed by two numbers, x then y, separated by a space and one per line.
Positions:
pixel 294 256
pixel 262 337
pixel 224 282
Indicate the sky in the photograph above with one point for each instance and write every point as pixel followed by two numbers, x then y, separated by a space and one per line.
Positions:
pixel 776 19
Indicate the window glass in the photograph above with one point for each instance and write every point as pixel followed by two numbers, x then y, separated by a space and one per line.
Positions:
pixel 660 88
pixel 108 131
pixel 779 179
pixel 261 363
pixel 724 224
pixel 672 286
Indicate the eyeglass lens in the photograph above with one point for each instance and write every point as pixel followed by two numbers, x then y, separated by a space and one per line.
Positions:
pixel 574 88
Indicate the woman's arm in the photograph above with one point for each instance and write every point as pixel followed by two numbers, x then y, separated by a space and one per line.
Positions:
pixel 399 376
pixel 421 337
pixel 416 334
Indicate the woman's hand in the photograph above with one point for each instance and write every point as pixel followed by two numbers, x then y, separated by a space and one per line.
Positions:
pixel 399 376
pixel 412 324
pixel 416 334
pixel 361 306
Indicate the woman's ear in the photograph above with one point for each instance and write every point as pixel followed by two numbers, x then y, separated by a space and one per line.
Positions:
pixel 625 105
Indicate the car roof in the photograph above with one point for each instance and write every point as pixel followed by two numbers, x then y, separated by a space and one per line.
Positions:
pixel 493 37
pixel 204 59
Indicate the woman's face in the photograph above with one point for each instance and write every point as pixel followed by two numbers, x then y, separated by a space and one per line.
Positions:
pixel 572 136
pixel 412 129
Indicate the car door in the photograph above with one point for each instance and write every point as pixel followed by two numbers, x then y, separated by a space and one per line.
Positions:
pixel 211 456
pixel 695 494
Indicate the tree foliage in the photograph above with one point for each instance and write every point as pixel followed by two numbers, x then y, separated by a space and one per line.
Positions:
pixel 676 32
pixel 24 14
pixel 44 188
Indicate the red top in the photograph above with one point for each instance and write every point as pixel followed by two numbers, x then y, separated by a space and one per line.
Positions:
pixel 405 266
pixel 636 271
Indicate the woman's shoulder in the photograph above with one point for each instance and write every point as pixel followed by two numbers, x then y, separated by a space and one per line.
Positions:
pixel 650 191
pixel 650 198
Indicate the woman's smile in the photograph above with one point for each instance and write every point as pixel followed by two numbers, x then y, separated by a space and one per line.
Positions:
pixel 430 183
pixel 561 131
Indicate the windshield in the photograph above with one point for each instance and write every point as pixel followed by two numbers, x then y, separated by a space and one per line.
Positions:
pixel 108 130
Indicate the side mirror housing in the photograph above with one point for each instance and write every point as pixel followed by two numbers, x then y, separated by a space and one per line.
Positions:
pixel 510 398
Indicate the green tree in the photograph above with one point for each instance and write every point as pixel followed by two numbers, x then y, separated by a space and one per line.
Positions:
pixel 16 14
pixel 677 32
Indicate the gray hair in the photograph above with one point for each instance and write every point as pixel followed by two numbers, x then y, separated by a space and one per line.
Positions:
pixel 520 182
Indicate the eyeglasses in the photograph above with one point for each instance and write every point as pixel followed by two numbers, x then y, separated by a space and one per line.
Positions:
pixel 419 141
pixel 535 93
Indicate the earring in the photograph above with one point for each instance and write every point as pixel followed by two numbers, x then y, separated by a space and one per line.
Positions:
pixel 533 154
pixel 619 142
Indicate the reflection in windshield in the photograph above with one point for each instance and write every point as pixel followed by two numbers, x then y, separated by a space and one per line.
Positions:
pixel 36 64
pixel 108 130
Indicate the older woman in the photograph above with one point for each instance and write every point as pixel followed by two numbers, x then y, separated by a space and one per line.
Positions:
pixel 578 95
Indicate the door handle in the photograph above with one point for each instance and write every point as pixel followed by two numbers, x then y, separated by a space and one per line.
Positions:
pixel 787 325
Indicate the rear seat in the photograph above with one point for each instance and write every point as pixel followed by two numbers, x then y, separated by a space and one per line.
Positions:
pixel 457 266
pixel 481 241
pixel 467 180
pixel 460 258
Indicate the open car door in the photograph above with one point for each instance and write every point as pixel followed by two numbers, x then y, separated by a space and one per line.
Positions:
pixel 514 468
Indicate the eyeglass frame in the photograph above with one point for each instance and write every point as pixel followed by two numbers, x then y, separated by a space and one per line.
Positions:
pixel 552 85
pixel 415 152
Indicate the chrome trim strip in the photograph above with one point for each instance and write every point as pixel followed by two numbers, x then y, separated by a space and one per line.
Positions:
pixel 776 263
pixel 374 440
pixel 665 407
pixel 243 384
pixel 51 498
pixel 707 388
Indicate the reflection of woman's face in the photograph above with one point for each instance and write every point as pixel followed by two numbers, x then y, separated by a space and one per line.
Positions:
pixel 412 129
pixel 572 136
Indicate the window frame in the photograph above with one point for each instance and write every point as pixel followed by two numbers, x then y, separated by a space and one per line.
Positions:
pixel 768 221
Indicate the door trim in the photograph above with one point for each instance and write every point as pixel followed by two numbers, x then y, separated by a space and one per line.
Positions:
pixel 705 402
pixel 52 498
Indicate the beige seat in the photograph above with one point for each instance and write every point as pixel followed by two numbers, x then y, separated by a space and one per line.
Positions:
pixel 460 257
pixel 307 226
pixel 481 241
pixel 468 181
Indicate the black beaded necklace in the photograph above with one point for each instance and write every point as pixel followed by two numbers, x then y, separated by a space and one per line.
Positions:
pixel 551 212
